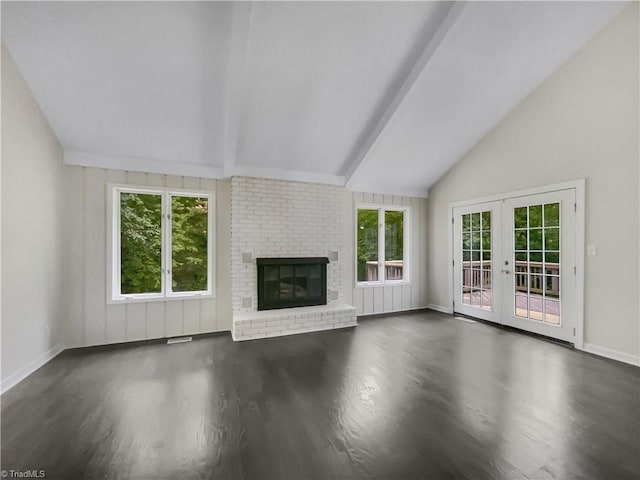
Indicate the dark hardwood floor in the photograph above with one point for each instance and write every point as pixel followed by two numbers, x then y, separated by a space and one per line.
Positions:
pixel 413 396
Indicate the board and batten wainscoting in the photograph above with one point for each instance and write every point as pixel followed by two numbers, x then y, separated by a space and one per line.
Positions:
pixel 90 319
pixel 370 300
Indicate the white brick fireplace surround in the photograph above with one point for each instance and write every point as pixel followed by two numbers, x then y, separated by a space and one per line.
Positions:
pixel 277 218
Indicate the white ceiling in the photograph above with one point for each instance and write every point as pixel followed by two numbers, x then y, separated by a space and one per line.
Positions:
pixel 380 96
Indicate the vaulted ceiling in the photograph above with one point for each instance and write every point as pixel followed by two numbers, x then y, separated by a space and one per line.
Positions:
pixel 377 96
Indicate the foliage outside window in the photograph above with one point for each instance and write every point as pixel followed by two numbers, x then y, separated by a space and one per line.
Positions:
pixel 161 244
pixel 381 235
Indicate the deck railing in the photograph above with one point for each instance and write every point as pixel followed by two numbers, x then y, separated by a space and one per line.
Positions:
pixel 393 270
pixel 478 273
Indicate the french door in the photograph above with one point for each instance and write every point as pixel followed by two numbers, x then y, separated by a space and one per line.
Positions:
pixel 514 262
pixel 477 248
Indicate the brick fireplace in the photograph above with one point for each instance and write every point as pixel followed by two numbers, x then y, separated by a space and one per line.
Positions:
pixel 276 221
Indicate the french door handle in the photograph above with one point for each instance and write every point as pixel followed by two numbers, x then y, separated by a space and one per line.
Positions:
pixel 505 271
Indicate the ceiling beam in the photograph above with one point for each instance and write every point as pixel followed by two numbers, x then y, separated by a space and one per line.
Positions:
pixel 446 18
pixel 236 81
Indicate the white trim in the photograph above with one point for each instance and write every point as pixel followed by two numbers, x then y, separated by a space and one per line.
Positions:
pixel 16 377
pixel 113 294
pixel 284 174
pixel 388 283
pixel 553 187
pixel 439 308
pixel 612 354
pixel 579 186
pixel 145 165
pixel 377 314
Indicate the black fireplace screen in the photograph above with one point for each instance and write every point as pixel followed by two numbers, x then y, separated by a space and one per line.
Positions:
pixel 291 282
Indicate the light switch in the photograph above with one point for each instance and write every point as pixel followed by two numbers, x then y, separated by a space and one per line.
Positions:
pixel 591 250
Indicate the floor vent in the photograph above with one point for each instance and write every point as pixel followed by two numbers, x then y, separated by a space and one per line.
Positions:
pixel 178 340
pixel 467 320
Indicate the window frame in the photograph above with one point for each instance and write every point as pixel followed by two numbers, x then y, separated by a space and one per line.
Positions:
pixel 406 227
pixel 114 295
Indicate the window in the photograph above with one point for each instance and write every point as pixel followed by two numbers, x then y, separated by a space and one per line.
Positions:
pixel 382 233
pixel 162 244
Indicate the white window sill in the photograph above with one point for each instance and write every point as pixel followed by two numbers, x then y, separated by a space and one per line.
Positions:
pixel 125 300
pixel 383 284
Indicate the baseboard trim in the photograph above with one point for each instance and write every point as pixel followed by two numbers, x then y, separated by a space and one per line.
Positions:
pixel 439 308
pixel 612 354
pixel 369 316
pixel 15 378
pixel 148 341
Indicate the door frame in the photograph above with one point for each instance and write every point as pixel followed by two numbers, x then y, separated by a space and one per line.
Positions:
pixel 579 186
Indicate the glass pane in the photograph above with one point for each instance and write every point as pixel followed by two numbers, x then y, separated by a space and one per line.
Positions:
pixel 475 297
pixel 536 311
pixel 475 255
pixel 535 239
pixel 475 240
pixel 486 220
pixel 189 243
pixel 466 276
pixel 367 245
pixel 535 256
pixel 486 240
pixel 521 256
pixel 475 221
pixel 487 299
pixel 466 241
pixel 521 307
pixel 552 311
pixel 486 255
pixel 535 306
pixel 466 256
pixel 552 286
pixel 520 217
pixel 535 285
pixel 551 257
pixel 552 239
pixel 466 297
pixel 475 277
pixel 521 281
pixel 140 243
pixel 535 216
pixel 552 215
pixel 552 269
pixel 521 239
pixel 466 223
pixel 394 244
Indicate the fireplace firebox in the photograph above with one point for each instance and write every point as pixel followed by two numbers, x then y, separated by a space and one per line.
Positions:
pixel 291 282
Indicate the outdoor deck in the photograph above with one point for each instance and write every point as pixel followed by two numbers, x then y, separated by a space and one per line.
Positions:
pixel 535 306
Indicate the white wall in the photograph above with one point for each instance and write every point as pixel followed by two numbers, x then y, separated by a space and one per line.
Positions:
pixel 90 320
pixel 372 300
pixel 31 230
pixel 581 122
